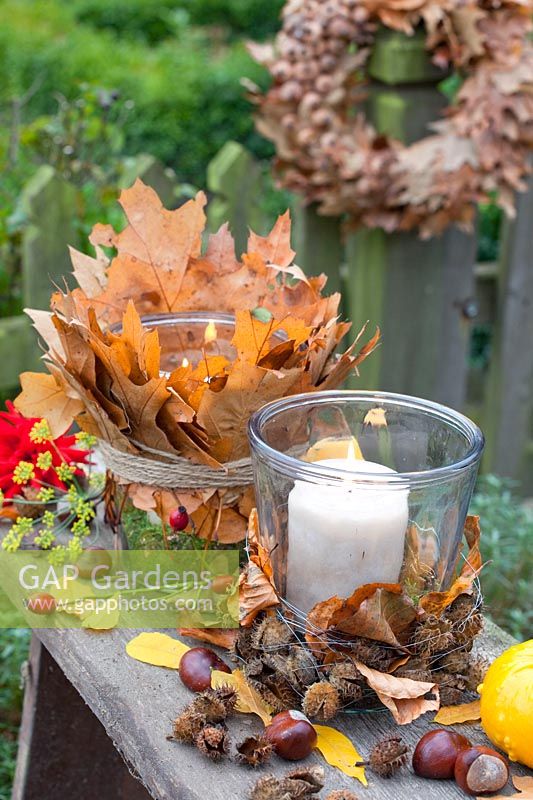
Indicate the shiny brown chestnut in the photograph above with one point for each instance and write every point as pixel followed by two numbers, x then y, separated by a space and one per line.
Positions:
pixel 481 770
pixel 436 753
pixel 292 735
pixel 196 666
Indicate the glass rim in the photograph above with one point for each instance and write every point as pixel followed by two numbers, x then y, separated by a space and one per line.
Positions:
pixel 311 472
pixel 171 317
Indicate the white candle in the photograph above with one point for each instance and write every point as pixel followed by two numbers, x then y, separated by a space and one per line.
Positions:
pixel 343 536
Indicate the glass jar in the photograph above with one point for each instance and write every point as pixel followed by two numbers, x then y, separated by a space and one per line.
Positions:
pixel 361 487
pixel 185 337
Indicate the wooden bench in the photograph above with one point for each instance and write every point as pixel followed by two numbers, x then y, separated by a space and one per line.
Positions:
pixel 95 723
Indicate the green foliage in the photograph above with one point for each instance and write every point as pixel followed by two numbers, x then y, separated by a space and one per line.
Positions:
pixel 507 543
pixel 154 21
pixel 13 651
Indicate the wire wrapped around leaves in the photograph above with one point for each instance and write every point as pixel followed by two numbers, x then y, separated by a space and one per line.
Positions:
pixel 332 155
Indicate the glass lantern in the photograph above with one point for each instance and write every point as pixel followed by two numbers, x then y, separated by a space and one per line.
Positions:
pixel 358 487
pixel 187 337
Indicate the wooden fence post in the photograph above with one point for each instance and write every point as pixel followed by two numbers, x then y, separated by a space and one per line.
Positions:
pixel 153 173
pixel 508 418
pixel 49 203
pixel 416 290
pixel 234 177
pixel 318 243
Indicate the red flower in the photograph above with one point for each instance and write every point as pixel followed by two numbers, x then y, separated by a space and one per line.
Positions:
pixel 19 441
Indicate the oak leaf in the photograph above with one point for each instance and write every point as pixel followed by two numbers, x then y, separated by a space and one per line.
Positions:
pixel 404 697
pixel 41 396
pixel 257 590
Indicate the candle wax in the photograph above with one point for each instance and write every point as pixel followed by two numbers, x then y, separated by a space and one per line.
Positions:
pixel 343 536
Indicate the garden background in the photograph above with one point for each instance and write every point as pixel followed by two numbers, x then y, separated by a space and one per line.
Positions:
pixel 89 85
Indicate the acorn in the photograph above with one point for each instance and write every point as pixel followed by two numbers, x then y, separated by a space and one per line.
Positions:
pixel 481 770
pixel 196 666
pixel 178 519
pixel 292 735
pixel 436 753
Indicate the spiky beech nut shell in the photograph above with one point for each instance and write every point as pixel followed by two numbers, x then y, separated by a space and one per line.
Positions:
pixel 92 558
pixel 41 603
pixel 436 753
pixel 196 666
pixel 292 735
pixel 481 770
pixel 178 519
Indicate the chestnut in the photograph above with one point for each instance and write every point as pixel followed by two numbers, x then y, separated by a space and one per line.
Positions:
pixel 41 603
pixel 292 735
pixel 436 753
pixel 196 666
pixel 481 770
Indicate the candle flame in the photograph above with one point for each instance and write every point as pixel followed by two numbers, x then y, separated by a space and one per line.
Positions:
pixel 185 363
pixel 210 333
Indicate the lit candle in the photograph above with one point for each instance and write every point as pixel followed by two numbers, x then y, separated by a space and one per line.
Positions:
pixel 343 536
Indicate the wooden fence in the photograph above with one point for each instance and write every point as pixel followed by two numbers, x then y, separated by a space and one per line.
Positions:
pixel 426 296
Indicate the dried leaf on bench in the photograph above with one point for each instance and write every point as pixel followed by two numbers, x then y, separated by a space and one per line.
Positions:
pixel 249 700
pixel 340 752
pixel 221 637
pixel 404 697
pixel 257 590
pixel 157 649
pixel 453 715
pixel 524 789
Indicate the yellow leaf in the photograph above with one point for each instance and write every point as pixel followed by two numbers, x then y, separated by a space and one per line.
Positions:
pixel 465 712
pixel 101 620
pixel 158 649
pixel 250 701
pixel 339 751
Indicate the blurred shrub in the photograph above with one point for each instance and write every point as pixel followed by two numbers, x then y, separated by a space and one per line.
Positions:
pixel 506 543
pixel 187 95
pixel 154 21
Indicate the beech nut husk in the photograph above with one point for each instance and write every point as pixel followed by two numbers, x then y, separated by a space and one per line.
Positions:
pixel 292 735
pixel 481 770
pixel 436 753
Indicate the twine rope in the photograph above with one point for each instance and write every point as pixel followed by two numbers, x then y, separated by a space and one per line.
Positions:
pixel 174 472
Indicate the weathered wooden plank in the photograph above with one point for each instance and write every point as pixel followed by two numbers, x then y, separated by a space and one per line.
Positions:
pixel 137 702
pixel 509 398
pixel 18 350
pixel 419 292
pixel 49 203
pixel 234 178
pixel 318 244
pixel 63 749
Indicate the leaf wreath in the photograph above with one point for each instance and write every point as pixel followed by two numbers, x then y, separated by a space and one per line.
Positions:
pixel 112 382
pixel 335 158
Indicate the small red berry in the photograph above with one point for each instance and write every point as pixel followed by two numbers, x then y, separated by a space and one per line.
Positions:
pixel 41 603
pixel 179 519
pixel 196 666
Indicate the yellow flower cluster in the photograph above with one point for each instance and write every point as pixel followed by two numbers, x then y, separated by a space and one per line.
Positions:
pixel 23 472
pixel 40 432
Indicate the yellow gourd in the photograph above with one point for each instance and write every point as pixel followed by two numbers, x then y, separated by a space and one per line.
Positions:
pixel 507 702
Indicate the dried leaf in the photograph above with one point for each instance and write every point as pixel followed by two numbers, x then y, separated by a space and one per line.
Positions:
pixel 524 789
pixel 404 697
pixel 158 649
pixel 103 620
pixel 436 602
pixel 339 751
pixel 221 637
pixel 275 248
pixel 453 715
pixel 42 397
pixel 249 701
pixel 257 591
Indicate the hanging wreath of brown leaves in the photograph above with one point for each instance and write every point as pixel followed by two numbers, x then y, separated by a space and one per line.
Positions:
pixel 112 382
pixel 335 158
